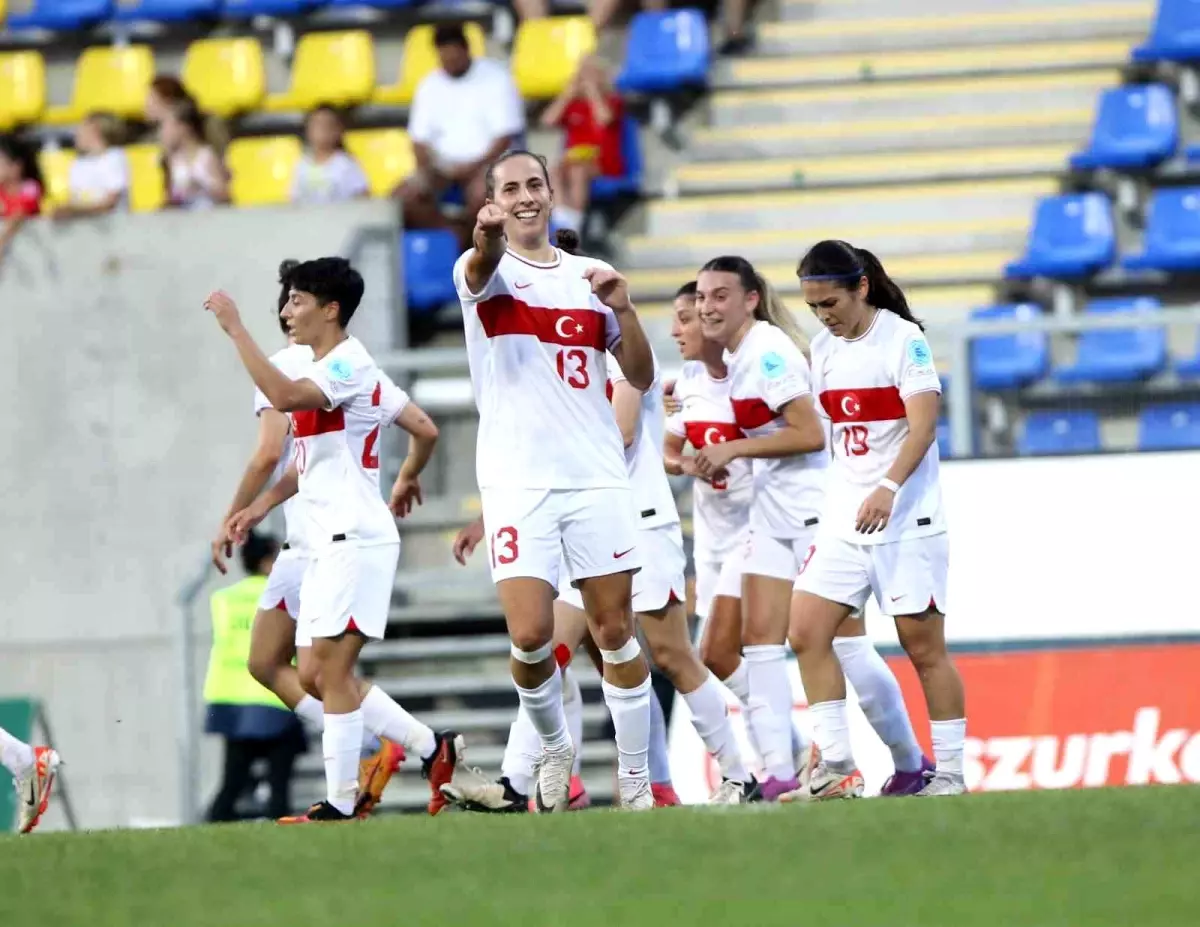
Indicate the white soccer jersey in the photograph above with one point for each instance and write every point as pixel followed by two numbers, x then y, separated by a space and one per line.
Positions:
pixel 766 372
pixel 644 457
pixel 720 510
pixel 862 384
pixel 292 361
pixel 536 343
pixel 337 449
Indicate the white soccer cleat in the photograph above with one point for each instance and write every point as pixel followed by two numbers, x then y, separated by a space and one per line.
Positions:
pixel 730 792
pixel 471 790
pixel 553 773
pixel 807 759
pixel 826 784
pixel 943 784
pixel 635 793
pixel 33 789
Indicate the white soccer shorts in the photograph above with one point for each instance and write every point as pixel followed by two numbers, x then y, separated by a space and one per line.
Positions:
pixel 659 582
pixel 347 587
pixel 719 578
pixel 778 558
pixel 282 591
pixel 907 577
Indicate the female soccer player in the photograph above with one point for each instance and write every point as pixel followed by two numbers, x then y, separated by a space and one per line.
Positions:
pixel 550 461
pixel 33 770
pixel 882 527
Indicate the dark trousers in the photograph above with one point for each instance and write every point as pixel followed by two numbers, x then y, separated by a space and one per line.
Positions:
pixel 238 779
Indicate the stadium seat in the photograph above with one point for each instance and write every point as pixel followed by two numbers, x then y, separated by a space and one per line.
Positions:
pixel 1118 355
pixel 1172 236
pixel 665 51
pixel 61 15
pixel 1169 427
pixel 55 165
pixel 547 52
pixel 108 79
pixel 226 76
pixel 337 68
pixel 1175 35
pixel 1072 236
pixel 943 440
pixel 385 155
pixel 606 189
pixel 22 88
pixel 147 183
pixel 168 11
pixel 1135 127
pixel 1009 361
pixel 420 57
pixel 245 9
pixel 429 257
pixel 375 4
pixel 1189 367
pixel 1060 433
pixel 261 169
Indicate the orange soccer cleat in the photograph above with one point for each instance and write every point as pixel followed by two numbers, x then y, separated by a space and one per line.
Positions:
pixel 34 787
pixel 374 773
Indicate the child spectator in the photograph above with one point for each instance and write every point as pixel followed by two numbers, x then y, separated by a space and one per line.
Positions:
pixel 20 188
pixel 98 181
pixel 165 91
pixel 327 173
pixel 196 178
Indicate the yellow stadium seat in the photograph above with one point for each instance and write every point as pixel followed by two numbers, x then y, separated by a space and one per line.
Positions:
pixel 547 52
pixel 22 88
pixel 386 156
pixel 108 79
pixel 337 68
pixel 420 57
pixel 147 182
pixel 261 169
pixel 225 76
pixel 55 165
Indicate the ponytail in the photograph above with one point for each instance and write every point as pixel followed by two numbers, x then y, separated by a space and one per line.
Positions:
pixel 770 308
pixel 567 240
pixel 845 265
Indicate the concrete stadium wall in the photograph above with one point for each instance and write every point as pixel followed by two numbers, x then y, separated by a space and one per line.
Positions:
pixel 128 423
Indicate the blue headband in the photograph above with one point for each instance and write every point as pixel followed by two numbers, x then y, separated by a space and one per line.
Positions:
pixel 852 275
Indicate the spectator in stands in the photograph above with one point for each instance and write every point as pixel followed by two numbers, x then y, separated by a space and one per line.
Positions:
pixel 590 112
pixel 327 173
pixel 165 91
pixel 196 177
pixel 464 115
pixel 20 188
pixel 98 181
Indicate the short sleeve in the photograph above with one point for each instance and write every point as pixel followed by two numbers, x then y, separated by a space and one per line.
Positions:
pixel 509 112
pixel 116 172
pixel 615 373
pixel 420 117
pixel 914 370
pixel 28 199
pixel 392 399
pixel 676 425
pixel 493 287
pixel 341 377
pixel 353 180
pixel 783 373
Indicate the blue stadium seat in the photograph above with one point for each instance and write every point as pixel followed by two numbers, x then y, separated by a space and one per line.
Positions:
pixel 429 257
pixel 61 15
pixel 605 189
pixel 1009 361
pixel 1168 427
pixel 1189 367
pixel 1072 236
pixel 374 4
pixel 1118 355
pixel 1060 433
pixel 666 51
pixel 1175 35
pixel 245 9
pixel 943 440
pixel 1135 127
pixel 1172 238
pixel 168 11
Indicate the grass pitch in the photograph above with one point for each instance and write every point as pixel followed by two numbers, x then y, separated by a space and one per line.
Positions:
pixel 1116 857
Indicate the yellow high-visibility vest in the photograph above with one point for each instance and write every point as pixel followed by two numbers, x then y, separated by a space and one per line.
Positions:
pixel 228 681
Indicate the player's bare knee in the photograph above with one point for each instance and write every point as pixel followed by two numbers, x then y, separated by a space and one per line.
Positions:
pixel 804 637
pixel 720 661
pixel 310 677
pixel 925 650
pixel 532 640
pixel 613 627
pixel 263 668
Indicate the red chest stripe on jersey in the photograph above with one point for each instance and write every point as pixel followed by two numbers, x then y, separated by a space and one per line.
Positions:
pixel 702 433
pixel 869 404
pixel 317 422
pixel 751 413
pixel 504 315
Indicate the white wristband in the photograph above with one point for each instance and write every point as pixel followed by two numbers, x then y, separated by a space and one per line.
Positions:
pixel 889 484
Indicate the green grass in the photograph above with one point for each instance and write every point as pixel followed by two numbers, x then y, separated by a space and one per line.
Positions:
pixel 1122 857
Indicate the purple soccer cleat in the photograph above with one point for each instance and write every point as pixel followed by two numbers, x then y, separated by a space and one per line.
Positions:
pixel 772 788
pixel 908 783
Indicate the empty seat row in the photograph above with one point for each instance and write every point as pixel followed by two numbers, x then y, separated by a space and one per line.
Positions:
pixel 1169 426
pixel 64 15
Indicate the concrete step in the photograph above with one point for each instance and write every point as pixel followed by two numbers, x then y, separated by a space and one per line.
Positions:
pixel 448 585
pixel 442 612
pixel 442 512
pixel 436 648
pixel 452 684
pixel 842 10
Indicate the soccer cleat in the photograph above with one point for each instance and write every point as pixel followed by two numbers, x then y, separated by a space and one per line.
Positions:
pixel 553 774
pixel 374 773
pixel 807 760
pixel 732 792
pixel 774 789
pixel 439 767
pixel 320 813
pixel 34 788
pixel 829 785
pixel 664 795
pixel 579 799
pixel 471 790
pixel 634 793
pixel 903 782
pixel 937 783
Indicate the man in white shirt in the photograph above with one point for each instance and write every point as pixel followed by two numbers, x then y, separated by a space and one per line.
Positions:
pixel 464 115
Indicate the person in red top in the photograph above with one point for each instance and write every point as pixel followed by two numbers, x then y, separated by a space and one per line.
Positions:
pixel 20 188
pixel 590 112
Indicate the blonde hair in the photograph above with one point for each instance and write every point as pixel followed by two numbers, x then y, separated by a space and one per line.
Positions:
pixel 772 309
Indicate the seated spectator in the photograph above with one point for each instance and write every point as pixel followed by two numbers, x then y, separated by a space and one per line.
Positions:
pixel 98 181
pixel 20 188
pixel 590 112
pixel 165 91
pixel 327 173
pixel 464 115
pixel 196 178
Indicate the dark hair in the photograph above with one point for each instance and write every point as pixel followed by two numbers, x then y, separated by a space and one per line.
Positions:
pixel 330 280
pixel 845 265
pixel 687 291
pixel 450 34
pixel 489 178
pixel 770 307
pixel 24 156
pixel 258 549
pixel 337 114
pixel 567 240
pixel 170 88
pixel 285 290
pixel 187 112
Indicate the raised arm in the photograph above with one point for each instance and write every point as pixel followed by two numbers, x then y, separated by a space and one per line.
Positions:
pixel 490 245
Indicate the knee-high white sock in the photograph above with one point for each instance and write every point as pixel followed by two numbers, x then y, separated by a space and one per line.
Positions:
pixel 949 738
pixel 770 707
pixel 738 682
pixel 660 758
pixel 880 699
pixel 342 744
pixel 521 753
pixel 710 717
pixel 312 712
pixel 16 755
pixel 545 707
pixel 832 734
pixel 573 707
pixel 386 718
pixel 630 709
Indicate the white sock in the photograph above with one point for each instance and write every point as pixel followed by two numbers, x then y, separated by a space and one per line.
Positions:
pixel 521 752
pixel 710 717
pixel 738 682
pixel 880 699
pixel 573 707
pixel 769 710
pixel 545 707
pixel 16 755
pixel 383 716
pixel 568 218
pixel 660 756
pixel 342 745
pixel 832 734
pixel 949 738
pixel 312 712
pixel 630 710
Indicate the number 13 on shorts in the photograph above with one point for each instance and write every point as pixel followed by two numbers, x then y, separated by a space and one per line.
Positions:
pixel 503 544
